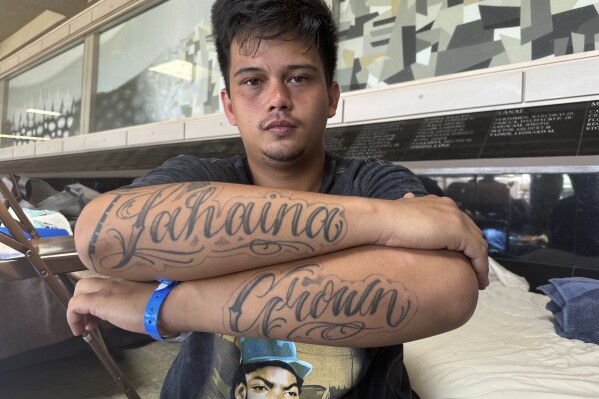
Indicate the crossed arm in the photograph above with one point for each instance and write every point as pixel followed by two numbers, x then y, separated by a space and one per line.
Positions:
pixel 280 264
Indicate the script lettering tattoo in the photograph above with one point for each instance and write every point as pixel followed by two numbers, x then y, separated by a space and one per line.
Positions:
pixel 181 225
pixel 323 307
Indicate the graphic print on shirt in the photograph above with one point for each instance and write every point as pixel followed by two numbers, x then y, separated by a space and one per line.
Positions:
pixel 248 368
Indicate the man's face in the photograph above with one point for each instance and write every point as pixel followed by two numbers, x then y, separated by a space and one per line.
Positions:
pixel 279 100
pixel 269 382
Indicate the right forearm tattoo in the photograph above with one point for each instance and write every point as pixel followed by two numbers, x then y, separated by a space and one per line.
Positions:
pixel 307 303
pixel 182 225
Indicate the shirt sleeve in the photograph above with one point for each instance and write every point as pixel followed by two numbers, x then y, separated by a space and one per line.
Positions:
pixel 375 178
pixel 186 168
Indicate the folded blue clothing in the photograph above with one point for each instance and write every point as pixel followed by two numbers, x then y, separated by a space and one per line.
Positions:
pixel 575 307
pixel 557 301
pixel 46 232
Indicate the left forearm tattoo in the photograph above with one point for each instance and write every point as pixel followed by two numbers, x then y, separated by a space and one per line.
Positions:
pixel 304 304
pixel 182 225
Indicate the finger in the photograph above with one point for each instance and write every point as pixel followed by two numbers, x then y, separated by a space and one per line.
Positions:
pixel 478 253
pixel 91 322
pixel 77 327
pixel 481 268
pixel 409 195
pixel 477 250
pixel 88 285
pixel 76 322
pixel 79 314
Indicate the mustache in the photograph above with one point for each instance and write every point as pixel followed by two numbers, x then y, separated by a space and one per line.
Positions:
pixel 279 117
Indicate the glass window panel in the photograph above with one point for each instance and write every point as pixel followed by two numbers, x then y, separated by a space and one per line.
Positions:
pixel 540 218
pixel 45 102
pixel 160 65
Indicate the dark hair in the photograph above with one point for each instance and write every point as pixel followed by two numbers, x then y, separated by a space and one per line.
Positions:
pixel 243 369
pixel 310 21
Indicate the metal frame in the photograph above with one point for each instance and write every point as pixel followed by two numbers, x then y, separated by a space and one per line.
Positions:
pixel 61 251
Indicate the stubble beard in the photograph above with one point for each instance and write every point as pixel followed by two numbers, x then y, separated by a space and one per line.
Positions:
pixel 282 152
pixel 283 155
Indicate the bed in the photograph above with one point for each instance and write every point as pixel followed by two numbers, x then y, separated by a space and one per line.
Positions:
pixel 508 349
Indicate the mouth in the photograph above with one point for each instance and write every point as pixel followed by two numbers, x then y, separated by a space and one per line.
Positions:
pixel 280 127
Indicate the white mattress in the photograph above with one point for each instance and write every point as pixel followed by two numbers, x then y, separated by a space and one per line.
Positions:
pixel 508 349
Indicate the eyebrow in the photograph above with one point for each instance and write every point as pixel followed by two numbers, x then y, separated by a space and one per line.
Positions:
pixel 295 384
pixel 291 67
pixel 266 382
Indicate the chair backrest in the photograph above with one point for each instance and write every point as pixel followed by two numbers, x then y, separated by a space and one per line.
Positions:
pixel 23 238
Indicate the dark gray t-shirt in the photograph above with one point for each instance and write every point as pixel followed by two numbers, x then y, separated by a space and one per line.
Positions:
pixel 207 363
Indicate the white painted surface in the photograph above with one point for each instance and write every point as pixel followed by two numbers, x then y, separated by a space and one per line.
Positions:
pixel 74 144
pixel 104 140
pixel 50 147
pixel 562 80
pixel 24 151
pixel 155 134
pixel 211 127
pixel 55 36
pixel 446 95
pixel 31 50
pixel 81 21
pixel 6 153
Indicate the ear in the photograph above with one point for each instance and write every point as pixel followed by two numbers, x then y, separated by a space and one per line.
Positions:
pixel 240 391
pixel 334 94
pixel 228 107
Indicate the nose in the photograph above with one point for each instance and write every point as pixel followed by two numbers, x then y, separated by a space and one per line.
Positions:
pixel 279 97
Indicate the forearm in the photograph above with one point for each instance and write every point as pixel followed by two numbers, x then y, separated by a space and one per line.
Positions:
pixel 190 231
pixel 370 296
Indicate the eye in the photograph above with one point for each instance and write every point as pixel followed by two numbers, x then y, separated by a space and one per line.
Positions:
pixel 298 79
pixel 252 82
pixel 292 394
pixel 259 388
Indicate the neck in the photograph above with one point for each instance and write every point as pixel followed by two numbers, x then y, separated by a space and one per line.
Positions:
pixel 300 176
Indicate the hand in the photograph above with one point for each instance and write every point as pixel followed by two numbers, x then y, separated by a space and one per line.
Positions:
pixel 432 222
pixel 120 302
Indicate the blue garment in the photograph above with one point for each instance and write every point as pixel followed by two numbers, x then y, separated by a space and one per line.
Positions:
pixel 496 239
pixel 207 363
pixel 575 307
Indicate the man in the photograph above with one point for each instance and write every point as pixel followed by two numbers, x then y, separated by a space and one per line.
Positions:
pixel 302 246
pixel 268 369
pixel 266 382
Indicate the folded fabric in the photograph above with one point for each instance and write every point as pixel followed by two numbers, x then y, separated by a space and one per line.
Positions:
pixel 575 307
pixel 47 223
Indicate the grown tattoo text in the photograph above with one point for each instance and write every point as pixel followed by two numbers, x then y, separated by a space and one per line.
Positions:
pixel 325 308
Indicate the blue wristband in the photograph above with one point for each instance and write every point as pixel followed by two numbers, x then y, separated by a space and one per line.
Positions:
pixel 153 308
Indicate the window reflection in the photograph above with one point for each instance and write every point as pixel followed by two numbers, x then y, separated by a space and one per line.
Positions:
pixel 45 102
pixel 574 223
pixel 549 218
pixel 151 69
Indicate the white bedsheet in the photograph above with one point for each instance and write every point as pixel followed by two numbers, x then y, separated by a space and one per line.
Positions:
pixel 508 349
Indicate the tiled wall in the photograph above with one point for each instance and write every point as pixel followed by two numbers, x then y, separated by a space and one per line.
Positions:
pixel 386 42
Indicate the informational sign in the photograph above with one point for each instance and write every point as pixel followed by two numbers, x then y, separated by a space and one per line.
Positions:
pixel 555 130
pixel 387 141
pixel 533 132
pixel 589 145
pixel 450 137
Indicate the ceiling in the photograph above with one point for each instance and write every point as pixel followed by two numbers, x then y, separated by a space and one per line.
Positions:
pixel 22 21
